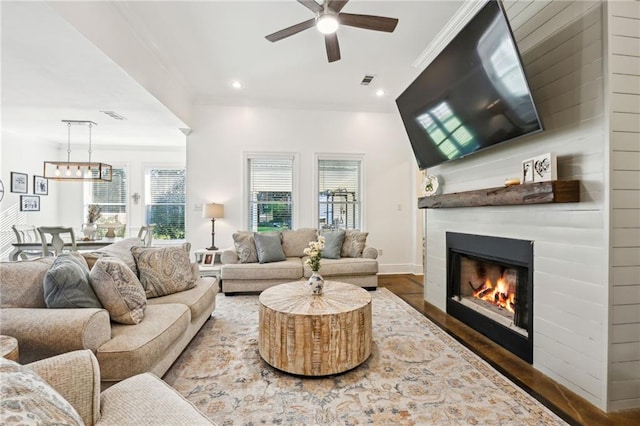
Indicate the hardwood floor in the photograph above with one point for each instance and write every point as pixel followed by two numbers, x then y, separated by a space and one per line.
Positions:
pixel 571 407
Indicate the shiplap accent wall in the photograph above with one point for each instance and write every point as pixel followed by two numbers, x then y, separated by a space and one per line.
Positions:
pixel 624 94
pixel 561 44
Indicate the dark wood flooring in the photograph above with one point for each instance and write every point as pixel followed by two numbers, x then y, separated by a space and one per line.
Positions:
pixel 571 407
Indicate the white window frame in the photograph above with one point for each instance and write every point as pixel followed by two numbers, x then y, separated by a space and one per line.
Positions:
pixel 88 199
pixel 295 196
pixel 145 190
pixel 316 183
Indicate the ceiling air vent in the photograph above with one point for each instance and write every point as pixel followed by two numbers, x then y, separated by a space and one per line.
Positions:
pixel 367 80
pixel 113 115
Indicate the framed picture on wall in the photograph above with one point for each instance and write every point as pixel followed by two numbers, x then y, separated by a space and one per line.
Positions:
pixel 19 182
pixel 29 203
pixel 40 185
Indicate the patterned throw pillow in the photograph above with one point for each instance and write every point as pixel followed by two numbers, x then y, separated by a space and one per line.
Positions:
pixel 354 243
pixel 165 270
pixel 119 290
pixel 332 244
pixel 245 247
pixel 28 400
pixel 66 284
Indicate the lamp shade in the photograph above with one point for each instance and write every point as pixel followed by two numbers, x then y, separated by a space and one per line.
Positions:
pixel 213 211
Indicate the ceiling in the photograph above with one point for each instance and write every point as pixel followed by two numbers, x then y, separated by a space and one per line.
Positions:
pixel 50 71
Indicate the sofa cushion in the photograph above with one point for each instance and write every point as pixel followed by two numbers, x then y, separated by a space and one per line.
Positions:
pixel 294 242
pixel 120 249
pixel 332 244
pixel 345 266
pixel 22 283
pixel 245 247
pixel 28 400
pixel 291 268
pixel 134 350
pixel 269 247
pixel 119 290
pixel 66 284
pixel 164 270
pixel 354 243
pixel 198 299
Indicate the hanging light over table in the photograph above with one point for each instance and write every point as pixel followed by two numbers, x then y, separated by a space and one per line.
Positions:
pixel 77 171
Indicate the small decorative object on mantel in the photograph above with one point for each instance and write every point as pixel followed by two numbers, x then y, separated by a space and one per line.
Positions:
pixel 314 251
pixel 431 185
pixel 511 181
pixel 90 229
pixel 542 168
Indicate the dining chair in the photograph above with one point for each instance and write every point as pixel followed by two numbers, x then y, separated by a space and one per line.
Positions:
pixel 27 234
pixel 146 234
pixel 57 243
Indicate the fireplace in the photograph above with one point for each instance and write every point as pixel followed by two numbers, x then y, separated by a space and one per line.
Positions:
pixel 490 288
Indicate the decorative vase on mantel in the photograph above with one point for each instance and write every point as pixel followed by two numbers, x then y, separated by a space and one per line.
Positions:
pixel 316 283
pixel 90 231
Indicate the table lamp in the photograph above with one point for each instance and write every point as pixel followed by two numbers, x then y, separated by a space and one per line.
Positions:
pixel 213 211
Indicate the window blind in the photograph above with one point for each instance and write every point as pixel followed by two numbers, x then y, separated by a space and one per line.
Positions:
pixel 165 202
pixel 339 193
pixel 270 193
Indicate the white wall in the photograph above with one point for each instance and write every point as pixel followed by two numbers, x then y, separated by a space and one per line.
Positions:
pixel 562 49
pixel 222 134
pixel 624 91
pixel 24 156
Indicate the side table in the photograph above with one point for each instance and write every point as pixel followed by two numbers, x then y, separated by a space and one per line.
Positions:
pixel 209 263
pixel 9 348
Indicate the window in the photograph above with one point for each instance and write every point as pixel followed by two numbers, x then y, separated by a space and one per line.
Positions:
pixel 270 192
pixel 112 199
pixel 165 202
pixel 339 193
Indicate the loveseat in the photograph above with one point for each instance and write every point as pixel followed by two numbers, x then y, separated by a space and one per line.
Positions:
pixel 65 389
pixel 245 271
pixel 132 333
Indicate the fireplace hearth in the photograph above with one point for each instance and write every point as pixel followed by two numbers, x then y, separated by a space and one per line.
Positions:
pixel 490 288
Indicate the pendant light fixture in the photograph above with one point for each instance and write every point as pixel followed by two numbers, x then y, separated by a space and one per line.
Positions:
pixel 77 171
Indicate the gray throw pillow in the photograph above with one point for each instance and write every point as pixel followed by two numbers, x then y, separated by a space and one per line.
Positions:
pixel 332 244
pixel 269 247
pixel 66 284
pixel 245 247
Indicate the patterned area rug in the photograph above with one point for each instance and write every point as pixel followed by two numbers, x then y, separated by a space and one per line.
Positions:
pixel 416 375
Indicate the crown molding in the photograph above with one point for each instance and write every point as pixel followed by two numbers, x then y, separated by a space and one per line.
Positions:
pixel 467 11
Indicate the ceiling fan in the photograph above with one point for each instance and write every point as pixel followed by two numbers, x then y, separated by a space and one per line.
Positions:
pixel 328 18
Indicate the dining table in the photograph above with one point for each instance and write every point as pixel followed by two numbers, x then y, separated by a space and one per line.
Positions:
pixel 19 248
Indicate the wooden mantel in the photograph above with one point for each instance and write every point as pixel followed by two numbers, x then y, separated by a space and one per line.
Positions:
pixel 559 191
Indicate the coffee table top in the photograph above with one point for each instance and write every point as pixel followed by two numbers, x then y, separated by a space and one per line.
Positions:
pixel 296 298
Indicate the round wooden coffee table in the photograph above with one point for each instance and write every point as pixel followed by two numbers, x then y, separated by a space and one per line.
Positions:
pixel 315 335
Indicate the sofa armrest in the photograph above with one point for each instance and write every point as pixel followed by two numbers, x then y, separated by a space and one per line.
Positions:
pixel 45 332
pixel 229 257
pixel 76 377
pixel 370 253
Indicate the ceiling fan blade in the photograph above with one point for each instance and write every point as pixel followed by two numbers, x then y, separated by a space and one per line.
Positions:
pixel 369 22
pixel 333 48
pixel 337 5
pixel 311 5
pixel 295 29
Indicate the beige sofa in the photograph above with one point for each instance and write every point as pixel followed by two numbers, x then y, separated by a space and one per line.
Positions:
pixel 168 325
pixel 237 277
pixel 143 399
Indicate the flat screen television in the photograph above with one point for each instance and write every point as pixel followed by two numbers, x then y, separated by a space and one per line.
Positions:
pixel 472 96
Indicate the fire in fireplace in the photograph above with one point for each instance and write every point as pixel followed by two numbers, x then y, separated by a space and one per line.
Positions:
pixel 490 288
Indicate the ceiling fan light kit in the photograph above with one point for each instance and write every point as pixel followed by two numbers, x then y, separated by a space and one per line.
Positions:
pixel 328 19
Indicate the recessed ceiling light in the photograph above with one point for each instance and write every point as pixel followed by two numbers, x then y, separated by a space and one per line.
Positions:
pixel 236 84
pixel 380 93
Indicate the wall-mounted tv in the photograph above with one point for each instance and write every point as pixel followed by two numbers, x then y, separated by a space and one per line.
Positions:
pixel 472 96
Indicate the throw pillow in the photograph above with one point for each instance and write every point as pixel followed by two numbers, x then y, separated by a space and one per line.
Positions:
pixel 269 247
pixel 27 399
pixel 245 247
pixel 119 290
pixel 332 244
pixel 66 284
pixel 294 242
pixel 165 270
pixel 354 243
pixel 120 249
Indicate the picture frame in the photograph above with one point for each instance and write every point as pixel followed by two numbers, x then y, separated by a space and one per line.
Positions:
pixel 207 259
pixel 19 182
pixel 29 203
pixel 40 185
pixel 527 171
